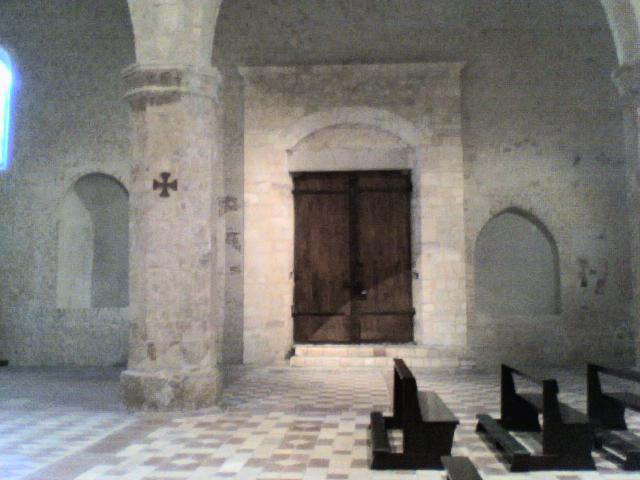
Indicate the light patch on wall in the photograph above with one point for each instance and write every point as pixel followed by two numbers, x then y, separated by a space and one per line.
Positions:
pixel 6 87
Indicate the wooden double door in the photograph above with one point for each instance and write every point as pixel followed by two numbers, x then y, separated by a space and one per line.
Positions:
pixel 352 268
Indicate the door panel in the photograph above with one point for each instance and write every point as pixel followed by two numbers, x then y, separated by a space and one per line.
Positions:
pixel 384 251
pixel 386 328
pixel 352 258
pixel 322 270
pixel 323 328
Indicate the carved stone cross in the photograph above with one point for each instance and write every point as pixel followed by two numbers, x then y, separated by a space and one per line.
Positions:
pixel 165 185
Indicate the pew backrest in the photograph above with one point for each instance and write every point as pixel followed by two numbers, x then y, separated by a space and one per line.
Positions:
pixel 405 393
pixel 547 404
pixel 622 373
pixel 434 410
pixel 596 396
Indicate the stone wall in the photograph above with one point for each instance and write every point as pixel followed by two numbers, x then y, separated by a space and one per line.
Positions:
pixel 353 118
pixel 541 128
pixel 70 121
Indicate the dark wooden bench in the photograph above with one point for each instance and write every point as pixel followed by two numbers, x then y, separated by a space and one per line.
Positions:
pixel 606 412
pixel 567 436
pixel 427 427
pixel 460 468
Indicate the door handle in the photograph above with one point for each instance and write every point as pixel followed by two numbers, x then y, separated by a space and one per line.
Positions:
pixel 359 292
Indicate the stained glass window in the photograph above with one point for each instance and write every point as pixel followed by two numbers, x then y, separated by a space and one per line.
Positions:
pixel 6 87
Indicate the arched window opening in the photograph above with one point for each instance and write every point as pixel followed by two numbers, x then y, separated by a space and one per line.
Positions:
pixel 93 250
pixel 6 89
pixel 516 267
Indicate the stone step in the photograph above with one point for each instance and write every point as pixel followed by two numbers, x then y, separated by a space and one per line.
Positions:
pixel 415 362
pixel 335 355
pixel 393 351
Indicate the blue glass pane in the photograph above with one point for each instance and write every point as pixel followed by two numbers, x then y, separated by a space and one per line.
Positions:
pixel 6 81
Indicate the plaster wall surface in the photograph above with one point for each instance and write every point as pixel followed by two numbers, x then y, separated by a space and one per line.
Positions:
pixel 543 133
pixel 70 121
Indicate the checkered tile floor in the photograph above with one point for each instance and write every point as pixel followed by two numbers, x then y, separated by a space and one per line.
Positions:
pixel 33 439
pixel 275 423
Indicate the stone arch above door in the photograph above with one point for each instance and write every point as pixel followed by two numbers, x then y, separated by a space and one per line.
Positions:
pixel 347 146
pixel 366 116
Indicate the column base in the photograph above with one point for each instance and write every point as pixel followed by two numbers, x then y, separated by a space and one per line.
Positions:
pixel 165 390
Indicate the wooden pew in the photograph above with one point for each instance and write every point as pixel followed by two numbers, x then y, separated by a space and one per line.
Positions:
pixel 460 468
pixel 427 426
pixel 567 437
pixel 606 412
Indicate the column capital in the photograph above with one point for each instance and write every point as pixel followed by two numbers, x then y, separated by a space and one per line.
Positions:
pixel 627 80
pixel 158 84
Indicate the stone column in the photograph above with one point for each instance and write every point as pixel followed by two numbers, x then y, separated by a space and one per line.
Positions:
pixel 173 354
pixel 627 79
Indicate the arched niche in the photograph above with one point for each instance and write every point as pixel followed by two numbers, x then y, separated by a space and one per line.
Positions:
pixel 93 244
pixel 516 267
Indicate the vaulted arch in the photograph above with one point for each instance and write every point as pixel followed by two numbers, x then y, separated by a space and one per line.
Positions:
pixel 174 33
pixel 623 18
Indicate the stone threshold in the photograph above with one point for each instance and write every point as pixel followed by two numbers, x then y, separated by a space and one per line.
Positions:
pixel 376 355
